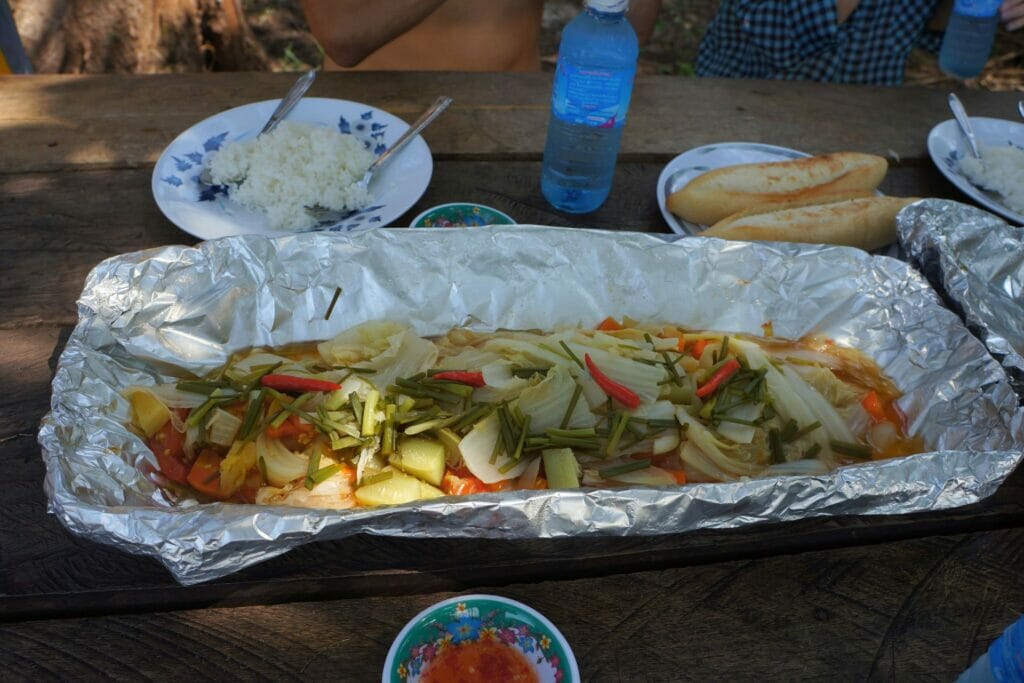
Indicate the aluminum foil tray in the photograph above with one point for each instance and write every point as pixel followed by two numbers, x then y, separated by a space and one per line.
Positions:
pixel 977 260
pixel 145 315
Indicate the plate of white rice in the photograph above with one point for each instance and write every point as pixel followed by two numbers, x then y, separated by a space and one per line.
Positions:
pixel 996 181
pixel 314 158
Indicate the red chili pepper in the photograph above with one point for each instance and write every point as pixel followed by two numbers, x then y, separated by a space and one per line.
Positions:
pixel 721 374
pixel 620 393
pixel 473 379
pixel 297 384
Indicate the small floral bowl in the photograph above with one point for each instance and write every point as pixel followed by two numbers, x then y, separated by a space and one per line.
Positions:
pixel 460 215
pixel 480 619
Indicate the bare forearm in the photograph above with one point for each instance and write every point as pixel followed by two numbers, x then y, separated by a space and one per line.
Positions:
pixel 351 30
pixel 642 15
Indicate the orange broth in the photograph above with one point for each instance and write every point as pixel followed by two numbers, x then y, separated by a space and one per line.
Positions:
pixel 479 661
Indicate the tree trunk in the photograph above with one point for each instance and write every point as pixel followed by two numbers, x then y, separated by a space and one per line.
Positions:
pixel 136 36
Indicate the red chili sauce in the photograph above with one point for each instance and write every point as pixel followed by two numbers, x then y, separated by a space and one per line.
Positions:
pixel 479 661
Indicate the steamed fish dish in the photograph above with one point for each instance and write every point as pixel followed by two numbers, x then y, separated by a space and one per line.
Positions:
pixel 379 415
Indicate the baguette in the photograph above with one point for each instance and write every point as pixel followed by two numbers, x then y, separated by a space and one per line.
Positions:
pixel 710 197
pixel 867 222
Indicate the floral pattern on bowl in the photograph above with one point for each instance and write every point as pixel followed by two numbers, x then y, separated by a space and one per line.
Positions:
pixel 947 146
pixel 461 215
pixel 207 211
pixel 480 618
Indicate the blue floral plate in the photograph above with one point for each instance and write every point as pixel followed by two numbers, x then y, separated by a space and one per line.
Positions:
pixel 208 212
pixel 947 146
pixel 480 620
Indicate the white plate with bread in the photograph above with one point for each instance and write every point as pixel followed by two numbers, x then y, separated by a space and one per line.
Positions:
pixel 727 192
pixel 698 161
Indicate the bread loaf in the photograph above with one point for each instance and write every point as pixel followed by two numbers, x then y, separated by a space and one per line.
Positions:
pixel 722 192
pixel 866 222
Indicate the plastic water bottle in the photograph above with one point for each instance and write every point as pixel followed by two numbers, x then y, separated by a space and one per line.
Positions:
pixel 969 36
pixel 593 84
pixel 1004 661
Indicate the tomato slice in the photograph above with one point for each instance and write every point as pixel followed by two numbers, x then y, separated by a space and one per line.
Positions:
pixel 205 473
pixel 168 447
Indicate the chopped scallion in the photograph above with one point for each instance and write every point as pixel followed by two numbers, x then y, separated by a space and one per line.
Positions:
pixel 334 300
pixel 612 472
pixel 854 450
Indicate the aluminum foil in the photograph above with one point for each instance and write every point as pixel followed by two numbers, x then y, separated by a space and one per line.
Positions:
pixel 977 260
pixel 147 314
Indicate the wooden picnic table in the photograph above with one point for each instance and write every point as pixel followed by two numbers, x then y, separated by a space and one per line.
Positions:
pixel 902 596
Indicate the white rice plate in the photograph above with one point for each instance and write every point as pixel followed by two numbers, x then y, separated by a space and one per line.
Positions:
pixel 1000 170
pixel 294 166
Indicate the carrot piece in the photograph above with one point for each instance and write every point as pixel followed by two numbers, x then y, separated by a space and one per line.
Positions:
pixel 681 347
pixel 609 324
pixel 698 348
pixel 205 474
pixel 873 406
pixel 680 475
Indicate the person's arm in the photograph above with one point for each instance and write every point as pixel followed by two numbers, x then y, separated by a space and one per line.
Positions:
pixel 642 15
pixel 351 30
pixel 844 8
pixel 1012 13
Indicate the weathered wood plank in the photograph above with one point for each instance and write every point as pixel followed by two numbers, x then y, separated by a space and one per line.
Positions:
pixel 60 122
pixel 57 227
pixel 916 609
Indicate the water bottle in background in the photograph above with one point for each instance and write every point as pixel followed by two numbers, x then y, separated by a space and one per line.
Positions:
pixel 593 83
pixel 1004 661
pixel 969 36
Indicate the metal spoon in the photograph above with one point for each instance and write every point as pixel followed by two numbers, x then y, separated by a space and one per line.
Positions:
pixel 321 213
pixel 960 114
pixel 1020 108
pixel 283 108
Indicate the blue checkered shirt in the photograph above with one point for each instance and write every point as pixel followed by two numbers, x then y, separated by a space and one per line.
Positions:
pixel 800 39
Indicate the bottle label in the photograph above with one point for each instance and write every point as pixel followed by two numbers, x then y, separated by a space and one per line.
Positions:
pixel 977 8
pixel 591 95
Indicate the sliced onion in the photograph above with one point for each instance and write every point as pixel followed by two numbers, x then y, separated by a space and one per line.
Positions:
pixel 282 465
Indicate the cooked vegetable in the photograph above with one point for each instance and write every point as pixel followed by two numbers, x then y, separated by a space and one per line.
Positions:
pixel 473 379
pixel 149 414
pixel 622 394
pixel 721 375
pixel 408 418
pixel 423 458
pixel 297 385
pixel 561 468
pixel 395 490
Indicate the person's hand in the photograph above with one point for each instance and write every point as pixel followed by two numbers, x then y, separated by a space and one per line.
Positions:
pixel 1012 14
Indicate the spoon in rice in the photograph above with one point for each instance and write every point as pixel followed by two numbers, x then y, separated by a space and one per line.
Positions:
pixel 283 109
pixel 960 114
pixel 322 213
